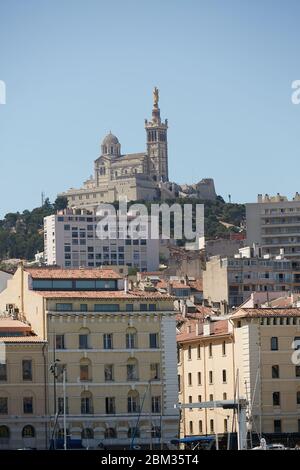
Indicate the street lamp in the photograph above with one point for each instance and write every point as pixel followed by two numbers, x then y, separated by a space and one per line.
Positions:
pixel 54 370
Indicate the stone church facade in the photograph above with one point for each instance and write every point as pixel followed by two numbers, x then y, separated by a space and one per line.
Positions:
pixel 138 176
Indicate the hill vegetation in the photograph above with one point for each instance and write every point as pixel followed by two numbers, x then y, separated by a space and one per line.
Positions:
pixel 21 234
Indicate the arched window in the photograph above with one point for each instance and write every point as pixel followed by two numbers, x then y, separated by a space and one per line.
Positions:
pixel 133 402
pixel 110 433
pixel 132 369
pixel 86 403
pixel 61 434
pixel 85 369
pixel 133 432
pixel 87 433
pixel 4 432
pixel 156 432
pixel 28 431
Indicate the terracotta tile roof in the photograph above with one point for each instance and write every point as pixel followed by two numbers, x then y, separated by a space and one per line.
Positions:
pixel 196 285
pixel 266 312
pixel 21 339
pixel 8 324
pixel 217 328
pixel 131 295
pixel 57 273
pixel 179 285
pixel 281 302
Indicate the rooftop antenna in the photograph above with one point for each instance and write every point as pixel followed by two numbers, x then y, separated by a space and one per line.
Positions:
pixel 43 198
pixel 229 197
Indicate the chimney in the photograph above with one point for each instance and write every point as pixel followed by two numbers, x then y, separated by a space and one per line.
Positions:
pixel 206 327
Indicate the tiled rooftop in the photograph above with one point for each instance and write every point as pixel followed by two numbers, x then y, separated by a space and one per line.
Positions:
pixel 8 324
pixel 106 295
pixel 58 273
pixel 21 339
pixel 266 312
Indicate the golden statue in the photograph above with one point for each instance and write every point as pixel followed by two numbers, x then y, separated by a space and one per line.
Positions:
pixel 155 96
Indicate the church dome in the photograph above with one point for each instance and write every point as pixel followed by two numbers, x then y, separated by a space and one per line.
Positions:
pixel 110 139
pixel 111 146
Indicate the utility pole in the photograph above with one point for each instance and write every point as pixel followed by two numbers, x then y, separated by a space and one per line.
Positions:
pixel 150 414
pixel 65 408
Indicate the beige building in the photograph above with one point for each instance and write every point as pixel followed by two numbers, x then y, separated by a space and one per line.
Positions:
pixel 23 386
pixel 252 355
pixel 274 223
pixel 118 348
pixel 229 281
pixel 137 176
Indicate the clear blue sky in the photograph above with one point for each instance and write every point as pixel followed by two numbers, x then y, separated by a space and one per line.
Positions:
pixel 75 69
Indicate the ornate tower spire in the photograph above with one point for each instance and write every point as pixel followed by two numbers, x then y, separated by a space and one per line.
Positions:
pixel 157 144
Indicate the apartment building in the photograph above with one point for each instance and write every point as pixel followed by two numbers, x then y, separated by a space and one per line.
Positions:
pixel 118 348
pixel 252 355
pixel 274 223
pixel 23 382
pixel 228 282
pixel 71 240
pixel 205 373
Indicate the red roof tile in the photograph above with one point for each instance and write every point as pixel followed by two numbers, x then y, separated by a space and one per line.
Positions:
pixel 107 295
pixel 266 312
pixel 21 339
pixel 8 324
pixel 57 273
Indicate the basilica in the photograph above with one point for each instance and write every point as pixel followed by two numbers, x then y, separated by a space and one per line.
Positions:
pixel 138 176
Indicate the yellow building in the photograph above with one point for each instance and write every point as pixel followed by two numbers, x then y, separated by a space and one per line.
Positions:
pixel 118 348
pixel 23 381
pixel 252 355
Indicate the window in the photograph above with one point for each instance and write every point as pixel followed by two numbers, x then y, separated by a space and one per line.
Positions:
pixel 3 372
pixel 298 398
pixel 275 372
pixel 131 339
pixel 210 350
pixel 28 431
pixel 200 426
pixel 87 433
pixel 156 432
pixel 86 403
pixel 85 370
pixel 132 370
pixel 211 397
pixel 156 404
pixel 83 341
pixel 276 398
pixel 27 369
pixel 143 307
pixel 199 378
pixel 210 377
pixel 27 405
pixel 297 371
pixel 133 402
pixel 274 343
pixel 3 405
pixel 133 432
pixel 179 382
pixel 109 373
pixel 189 378
pixel 190 352
pixel 212 427
pixel 60 341
pixel 153 340
pixel 296 343
pixel 224 396
pixel 129 307
pixel 155 371
pixel 61 405
pixel 199 351
pixel 224 348
pixel 110 405
pixel 152 307
pixel 190 401
pixel 64 307
pixel 4 434
pixel 225 425
pixel 110 433
pixel 277 425
pixel 199 399
pixel 108 341
pixel 83 307
pixel 191 427
pixel 224 375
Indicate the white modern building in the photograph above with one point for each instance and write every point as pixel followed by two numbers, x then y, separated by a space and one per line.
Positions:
pixel 274 223
pixel 71 240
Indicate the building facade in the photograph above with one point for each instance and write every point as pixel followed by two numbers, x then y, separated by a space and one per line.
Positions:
pixel 23 386
pixel 252 355
pixel 230 281
pixel 274 223
pixel 71 241
pixel 137 176
pixel 118 348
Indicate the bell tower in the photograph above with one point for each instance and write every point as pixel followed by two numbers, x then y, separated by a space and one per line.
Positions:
pixel 157 143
